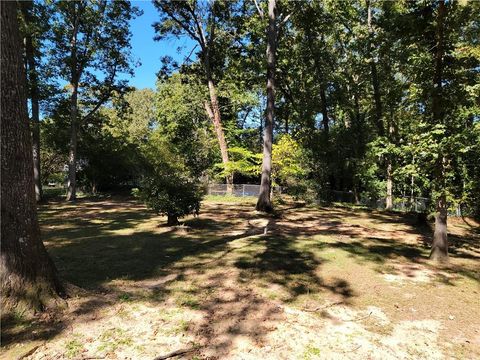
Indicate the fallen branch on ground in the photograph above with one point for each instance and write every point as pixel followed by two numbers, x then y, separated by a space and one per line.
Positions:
pixel 323 307
pixel 30 352
pixel 176 353
pixel 360 318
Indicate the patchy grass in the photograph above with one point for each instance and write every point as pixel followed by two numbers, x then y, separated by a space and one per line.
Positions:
pixel 308 282
pixel 230 199
pixel 73 348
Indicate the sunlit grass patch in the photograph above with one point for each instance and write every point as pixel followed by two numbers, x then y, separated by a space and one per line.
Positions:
pixel 112 339
pixel 231 199
pixel 73 347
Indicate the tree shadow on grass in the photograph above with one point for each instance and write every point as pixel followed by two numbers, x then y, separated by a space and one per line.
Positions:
pixel 295 270
pixel 221 252
pixel 379 250
pixel 92 247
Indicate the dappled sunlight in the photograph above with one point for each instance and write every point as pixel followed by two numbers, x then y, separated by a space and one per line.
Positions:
pixel 236 283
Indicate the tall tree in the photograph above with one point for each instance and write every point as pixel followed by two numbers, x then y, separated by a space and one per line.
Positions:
pixel 32 32
pixel 28 276
pixel 90 46
pixel 200 22
pixel 264 202
pixel 440 241
pixel 377 95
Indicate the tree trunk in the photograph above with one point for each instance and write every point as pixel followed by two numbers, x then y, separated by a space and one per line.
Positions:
pixel 32 77
pixel 389 199
pixel 264 202
pixel 375 80
pixel 75 80
pixel 172 220
pixel 28 277
pixel 213 112
pixel 325 120
pixel 440 242
pixel 72 154
pixel 323 91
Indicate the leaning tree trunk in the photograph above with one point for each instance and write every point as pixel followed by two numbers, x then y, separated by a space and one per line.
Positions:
pixel 33 90
pixel 28 277
pixel 440 241
pixel 264 202
pixel 213 112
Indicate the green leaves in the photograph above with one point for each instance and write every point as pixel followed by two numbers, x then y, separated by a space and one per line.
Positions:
pixel 167 185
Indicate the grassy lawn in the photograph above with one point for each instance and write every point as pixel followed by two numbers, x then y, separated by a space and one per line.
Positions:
pixel 305 283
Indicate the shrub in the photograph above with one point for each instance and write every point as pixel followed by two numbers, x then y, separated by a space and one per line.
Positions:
pixel 171 195
pixel 167 186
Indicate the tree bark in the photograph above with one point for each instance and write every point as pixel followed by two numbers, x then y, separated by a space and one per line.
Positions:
pixel 213 111
pixel 439 250
pixel 28 277
pixel 32 77
pixel 440 242
pixel 389 198
pixel 375 80
pixel 323 91
pixel 325 121
pixel 264 202
pixel 72 152
pixel 172 220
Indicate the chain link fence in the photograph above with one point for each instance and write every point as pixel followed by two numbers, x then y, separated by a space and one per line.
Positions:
pixel 240 190
pixel 400 203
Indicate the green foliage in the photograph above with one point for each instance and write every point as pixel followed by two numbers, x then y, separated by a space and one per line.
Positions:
pixel 288 166
pixel 167 187
pixel 182 120
pixel 133 115
pixel 241 161
pixel 288 160
pixel 326 56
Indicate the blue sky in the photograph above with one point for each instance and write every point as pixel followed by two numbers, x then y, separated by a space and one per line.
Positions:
pixel 147 51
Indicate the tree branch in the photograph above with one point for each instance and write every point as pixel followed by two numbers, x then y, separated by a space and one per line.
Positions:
pixel 201 34
pixel 189 31
pixel 104 98
pixel 260 12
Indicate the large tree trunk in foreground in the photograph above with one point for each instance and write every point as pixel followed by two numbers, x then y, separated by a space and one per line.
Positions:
pixel 28 277
pixel 264 202
pixel 440 241
pixel 34 96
